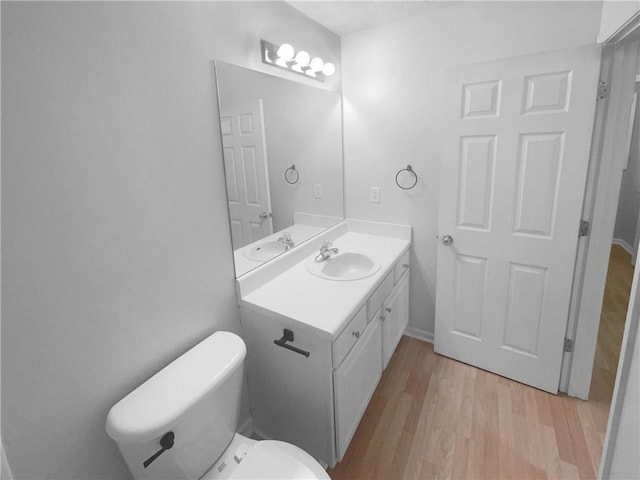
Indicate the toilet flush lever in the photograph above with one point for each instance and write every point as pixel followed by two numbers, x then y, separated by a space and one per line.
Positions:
pixel 166 442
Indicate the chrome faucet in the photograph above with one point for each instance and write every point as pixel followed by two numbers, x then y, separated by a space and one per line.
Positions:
pixel 325 251
pixel 287 241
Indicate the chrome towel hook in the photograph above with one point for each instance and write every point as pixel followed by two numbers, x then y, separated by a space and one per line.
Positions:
pixel 289 172
pixel 415 177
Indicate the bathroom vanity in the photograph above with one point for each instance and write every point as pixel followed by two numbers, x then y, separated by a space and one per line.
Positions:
pixel 319 334
pixel 318 343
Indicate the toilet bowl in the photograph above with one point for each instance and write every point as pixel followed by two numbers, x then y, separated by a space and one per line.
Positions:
pixel 181 423
pixel 247 459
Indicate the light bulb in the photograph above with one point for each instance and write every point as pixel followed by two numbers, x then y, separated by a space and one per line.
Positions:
pixel 302 58
pixel 286 52
pixel 329 69
pixel 316 64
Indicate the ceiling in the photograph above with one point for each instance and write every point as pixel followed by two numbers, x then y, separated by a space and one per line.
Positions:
pixel 346 17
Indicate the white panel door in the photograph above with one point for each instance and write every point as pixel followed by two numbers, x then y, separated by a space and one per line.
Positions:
pixel 246 172
pixel 518 135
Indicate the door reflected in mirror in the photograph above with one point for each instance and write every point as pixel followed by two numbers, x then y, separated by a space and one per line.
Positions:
pixel 282 151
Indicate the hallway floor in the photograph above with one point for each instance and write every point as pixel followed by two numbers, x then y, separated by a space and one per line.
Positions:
pixel 433 417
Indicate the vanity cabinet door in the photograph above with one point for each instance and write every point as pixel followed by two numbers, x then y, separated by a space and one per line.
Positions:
pixel 395 318
pixel 354 384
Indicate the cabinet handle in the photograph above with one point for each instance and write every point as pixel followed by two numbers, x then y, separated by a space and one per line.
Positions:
pixel 382 317
pixel 405 265
pixel 388 309
pixel 356 334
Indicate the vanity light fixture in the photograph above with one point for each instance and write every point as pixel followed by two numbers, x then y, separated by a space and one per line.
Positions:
pixel 285 56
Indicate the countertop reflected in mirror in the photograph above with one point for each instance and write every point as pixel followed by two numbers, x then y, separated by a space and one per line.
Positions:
pixel 282 151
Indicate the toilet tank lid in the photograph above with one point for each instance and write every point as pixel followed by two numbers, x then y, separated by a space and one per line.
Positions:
pixel 156 405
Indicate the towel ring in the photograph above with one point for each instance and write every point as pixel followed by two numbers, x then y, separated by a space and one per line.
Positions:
pixel 292 168
pixel 410 170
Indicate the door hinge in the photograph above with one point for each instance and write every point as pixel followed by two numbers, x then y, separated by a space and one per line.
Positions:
pixel 568 345
pixel 603 90
pixel 585 225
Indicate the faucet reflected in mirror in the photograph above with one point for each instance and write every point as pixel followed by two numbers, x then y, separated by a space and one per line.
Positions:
pixel 287 241
pixel 268 124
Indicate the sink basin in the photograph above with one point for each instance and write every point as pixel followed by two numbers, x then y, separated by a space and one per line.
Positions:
pixel 265 251
pixel 346 265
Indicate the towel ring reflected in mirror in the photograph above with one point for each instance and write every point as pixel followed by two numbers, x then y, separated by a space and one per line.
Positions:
pixel 411 171
pixel 291 175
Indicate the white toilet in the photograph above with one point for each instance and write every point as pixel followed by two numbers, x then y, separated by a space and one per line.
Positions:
pixel 181 423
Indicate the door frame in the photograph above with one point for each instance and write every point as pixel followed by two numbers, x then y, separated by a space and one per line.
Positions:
pixel 620 56
pixel 627 354
pixel 632 127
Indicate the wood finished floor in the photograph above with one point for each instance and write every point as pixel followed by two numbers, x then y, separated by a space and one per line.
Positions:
pixel 433 417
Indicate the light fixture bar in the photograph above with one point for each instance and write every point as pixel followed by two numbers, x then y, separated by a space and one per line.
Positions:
pixel 286 57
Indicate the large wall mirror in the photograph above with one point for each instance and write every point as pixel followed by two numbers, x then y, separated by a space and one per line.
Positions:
pixel 282 143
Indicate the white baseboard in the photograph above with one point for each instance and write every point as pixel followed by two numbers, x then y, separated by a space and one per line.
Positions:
pixel 246 429
pixel 259 435
pixel 419 334
pixel 5 472
pixel 623 244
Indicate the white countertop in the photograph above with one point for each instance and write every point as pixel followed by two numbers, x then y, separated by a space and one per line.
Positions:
pixel 326 305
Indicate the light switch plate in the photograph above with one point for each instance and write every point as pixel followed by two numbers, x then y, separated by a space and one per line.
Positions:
pixel 317 191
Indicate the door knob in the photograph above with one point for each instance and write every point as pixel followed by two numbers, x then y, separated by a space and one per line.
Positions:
pixel 264 215
pixel 446 240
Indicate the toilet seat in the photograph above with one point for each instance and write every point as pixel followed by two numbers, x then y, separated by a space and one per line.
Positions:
pixel 246 459
pixel 271 459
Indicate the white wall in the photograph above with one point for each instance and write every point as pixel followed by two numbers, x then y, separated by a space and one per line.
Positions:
pixel 116 254
pixel 393 87
pixel 629 202
pixel 615 14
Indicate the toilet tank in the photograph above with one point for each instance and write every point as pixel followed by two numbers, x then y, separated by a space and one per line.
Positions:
pixel 197 397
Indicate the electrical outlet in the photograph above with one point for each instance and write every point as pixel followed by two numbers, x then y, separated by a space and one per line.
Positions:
pixel 317 191
pixel 375 195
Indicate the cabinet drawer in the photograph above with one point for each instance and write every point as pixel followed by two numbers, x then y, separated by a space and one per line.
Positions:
pixel 378 296
pixel 349 336
pixel 401 266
